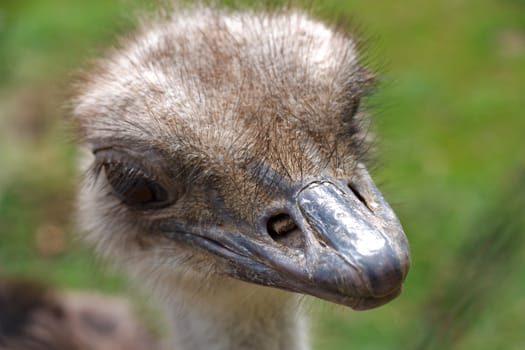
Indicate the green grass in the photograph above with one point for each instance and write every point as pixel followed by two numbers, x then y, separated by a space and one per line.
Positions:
pixel 449 112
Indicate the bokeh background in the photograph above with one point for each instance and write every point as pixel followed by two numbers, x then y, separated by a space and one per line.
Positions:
pixel 450 115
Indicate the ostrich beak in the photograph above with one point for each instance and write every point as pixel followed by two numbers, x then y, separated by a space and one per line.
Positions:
pixel 355 244
pixel 354 250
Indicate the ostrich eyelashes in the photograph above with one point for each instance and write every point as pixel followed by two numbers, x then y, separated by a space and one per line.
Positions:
pixel 133 186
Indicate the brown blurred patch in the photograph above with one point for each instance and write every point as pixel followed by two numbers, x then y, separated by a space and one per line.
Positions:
pixel 50 240
pixel 512 43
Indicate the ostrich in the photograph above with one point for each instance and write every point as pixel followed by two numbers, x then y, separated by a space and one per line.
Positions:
pixel 224 172
pixel 35 317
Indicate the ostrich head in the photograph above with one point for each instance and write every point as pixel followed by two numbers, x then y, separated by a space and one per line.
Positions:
pixel 227 146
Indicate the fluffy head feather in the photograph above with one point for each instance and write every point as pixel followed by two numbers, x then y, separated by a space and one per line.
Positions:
pixel 214 100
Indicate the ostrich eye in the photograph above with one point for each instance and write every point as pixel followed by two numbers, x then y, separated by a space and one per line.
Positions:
pixel 134 188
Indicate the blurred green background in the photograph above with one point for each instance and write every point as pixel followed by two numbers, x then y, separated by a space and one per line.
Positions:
pixel 450 115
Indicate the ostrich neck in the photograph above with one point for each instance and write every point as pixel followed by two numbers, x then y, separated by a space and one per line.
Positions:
pixel 238 317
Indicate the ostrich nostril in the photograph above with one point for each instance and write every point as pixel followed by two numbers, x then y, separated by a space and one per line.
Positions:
pixel 283 230
pixel 358 195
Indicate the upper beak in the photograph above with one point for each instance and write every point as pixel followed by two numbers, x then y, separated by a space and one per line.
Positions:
pixel 354 253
